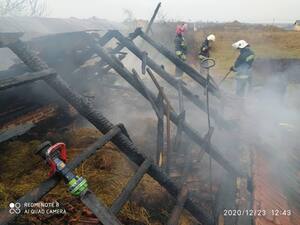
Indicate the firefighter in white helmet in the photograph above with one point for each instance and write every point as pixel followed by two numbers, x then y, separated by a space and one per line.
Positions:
pixel 206 46
pixel 243 67
pixel 204 52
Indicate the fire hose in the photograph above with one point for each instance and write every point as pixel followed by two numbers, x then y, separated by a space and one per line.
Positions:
pixel 56 157
pixel 207 64
pixel 224 78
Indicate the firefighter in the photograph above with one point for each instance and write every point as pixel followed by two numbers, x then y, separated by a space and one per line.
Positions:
pixel 243 67
pixel 206 47
pixel 180 46
pixel 204 52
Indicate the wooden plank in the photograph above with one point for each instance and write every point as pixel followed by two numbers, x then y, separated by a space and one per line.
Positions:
pixel 152 18
pixel 19 124
pixel 160 131
pixel 25 78
pixel 159 88
pixel 168 108
pixel 103 214
pixel 145 90
pixel 178 137
pixel 105 39
pixel 131 185
pixel 177 210
pixel 168 152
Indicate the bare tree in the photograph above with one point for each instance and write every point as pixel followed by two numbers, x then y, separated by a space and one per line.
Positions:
pixel 12 7
pixel 37 7
pixel 23 7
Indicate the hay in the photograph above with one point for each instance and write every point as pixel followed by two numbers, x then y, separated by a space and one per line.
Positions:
pixel 107 173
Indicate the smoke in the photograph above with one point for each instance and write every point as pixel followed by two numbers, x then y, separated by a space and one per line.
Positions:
pixel 270 124
pixel 268 118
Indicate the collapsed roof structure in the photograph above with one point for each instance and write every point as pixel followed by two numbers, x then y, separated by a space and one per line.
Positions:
pixel 75 48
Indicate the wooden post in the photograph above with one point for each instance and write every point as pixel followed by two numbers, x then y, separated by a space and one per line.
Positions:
pixel 160 130
pixel 168 109
pixel 142 86
pixel 177 210
pixel 159 88
pixel 158 107
pixel 131 185
pixel 177 142
pixel 104 215
pixel 152 18
pixel 168 152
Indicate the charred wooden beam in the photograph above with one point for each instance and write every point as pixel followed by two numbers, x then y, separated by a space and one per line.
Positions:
pixel 160 130
pixel 25 78
pixel 120 46
pixel 178 137
pixel 46 186
pixel 179 63
pixel 131 185
pixel 108 36
pixel 143 87
pixel 158 107
pixel 171 80
pixel 96 146
pixel 177 210
pixel 153 18
pixel 149 95
pixel 103 214
pixel 202 142
pixel 168 108
pixel 108 68
pixel 159 88
pixel 103 125
pixel 21 124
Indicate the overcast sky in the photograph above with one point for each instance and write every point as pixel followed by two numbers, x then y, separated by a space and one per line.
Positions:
pixel 194 10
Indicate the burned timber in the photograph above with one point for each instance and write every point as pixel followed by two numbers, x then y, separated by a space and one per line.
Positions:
pixel 63 72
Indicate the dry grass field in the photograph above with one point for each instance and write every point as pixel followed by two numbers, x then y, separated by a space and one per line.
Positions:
pixel 266 41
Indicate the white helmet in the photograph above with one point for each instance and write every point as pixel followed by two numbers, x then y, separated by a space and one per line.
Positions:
pixel 211 37
pixel 240 44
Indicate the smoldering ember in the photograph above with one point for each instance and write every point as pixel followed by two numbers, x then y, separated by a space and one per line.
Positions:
pixel 159 120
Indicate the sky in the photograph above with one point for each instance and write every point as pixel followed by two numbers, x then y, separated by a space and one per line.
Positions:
pixel 253 11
